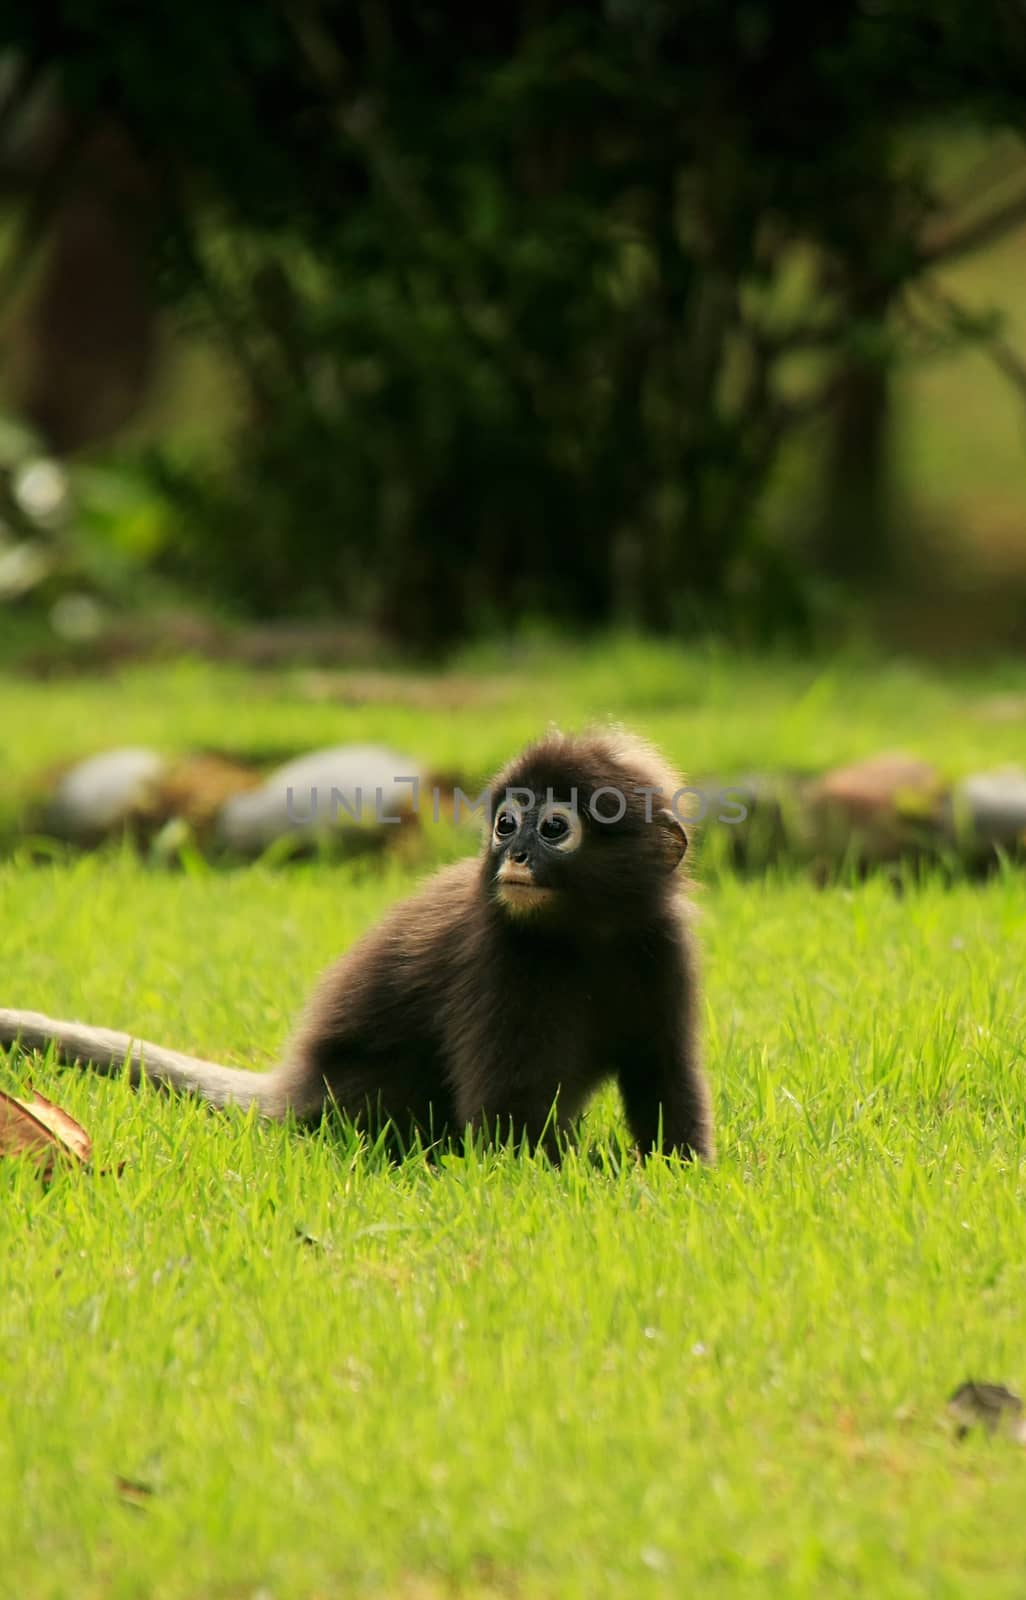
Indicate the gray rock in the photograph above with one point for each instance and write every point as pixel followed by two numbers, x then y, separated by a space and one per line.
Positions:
pixel 100 794
pixel 992 806
pixel 350 786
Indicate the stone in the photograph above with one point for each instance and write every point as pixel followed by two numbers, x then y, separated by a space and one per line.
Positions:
pixel 879 807
pixel 991 806
pixel 101 794
pixel 347 787
pixel 890 783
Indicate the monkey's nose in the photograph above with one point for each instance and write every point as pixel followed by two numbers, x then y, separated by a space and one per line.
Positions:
pixel 520 857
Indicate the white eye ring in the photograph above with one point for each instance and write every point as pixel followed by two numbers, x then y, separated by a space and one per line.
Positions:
pixel 509 808
pixel 574 828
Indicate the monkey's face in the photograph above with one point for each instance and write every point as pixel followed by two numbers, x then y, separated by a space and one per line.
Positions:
pixel 530 853
pixel 593 852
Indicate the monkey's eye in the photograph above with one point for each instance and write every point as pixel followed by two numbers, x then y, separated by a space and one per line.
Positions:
pixel 506 824
pixel 560 828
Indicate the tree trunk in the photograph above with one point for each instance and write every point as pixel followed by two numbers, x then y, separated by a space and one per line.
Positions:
pixel 856 520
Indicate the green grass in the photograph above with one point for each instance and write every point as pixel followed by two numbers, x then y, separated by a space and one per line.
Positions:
pixel 713 708
pixel 496 1378
pixel 492 1378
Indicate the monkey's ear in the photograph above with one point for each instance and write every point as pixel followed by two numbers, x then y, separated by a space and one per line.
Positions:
pixel 673 841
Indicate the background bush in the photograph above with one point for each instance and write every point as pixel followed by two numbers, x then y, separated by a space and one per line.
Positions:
pixel 525 302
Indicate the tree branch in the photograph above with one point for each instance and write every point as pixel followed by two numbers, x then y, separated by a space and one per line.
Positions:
pixel 984 230
pixel 1005 358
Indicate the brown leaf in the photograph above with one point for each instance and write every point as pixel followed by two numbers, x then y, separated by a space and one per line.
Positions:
pixel 133 1492
pixel 42 1130
pixel 60 1123
pixel 991 1405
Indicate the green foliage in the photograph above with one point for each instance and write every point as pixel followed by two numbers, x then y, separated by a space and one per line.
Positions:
pixel 508 288
pixel 73 538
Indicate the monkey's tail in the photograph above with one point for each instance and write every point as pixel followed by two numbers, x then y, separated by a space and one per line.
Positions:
pixel 109 1052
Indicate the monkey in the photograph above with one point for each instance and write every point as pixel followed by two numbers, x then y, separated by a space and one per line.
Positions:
pixel 503 992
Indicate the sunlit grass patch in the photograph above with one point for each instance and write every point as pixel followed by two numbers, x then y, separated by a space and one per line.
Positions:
pixel 488 1376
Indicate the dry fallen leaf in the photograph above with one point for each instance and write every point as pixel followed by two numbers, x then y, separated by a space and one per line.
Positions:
pixel 41 1130
pixel 309 1239
pixel 991 1406
pixel 60 1124
pixel 133 1492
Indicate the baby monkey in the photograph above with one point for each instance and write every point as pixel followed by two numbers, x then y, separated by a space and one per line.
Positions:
pixel 501 994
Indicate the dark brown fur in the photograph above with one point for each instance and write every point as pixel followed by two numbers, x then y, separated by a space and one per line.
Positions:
pixel 457 1011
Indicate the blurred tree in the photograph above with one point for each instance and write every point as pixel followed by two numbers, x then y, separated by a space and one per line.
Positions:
pixel 527 299
pixel 82 352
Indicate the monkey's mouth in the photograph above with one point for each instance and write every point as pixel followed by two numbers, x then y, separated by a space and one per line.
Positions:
pixel 516 889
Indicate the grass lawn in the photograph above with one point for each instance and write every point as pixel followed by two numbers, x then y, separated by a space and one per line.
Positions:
pixel 493 1378
pixel 711 707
